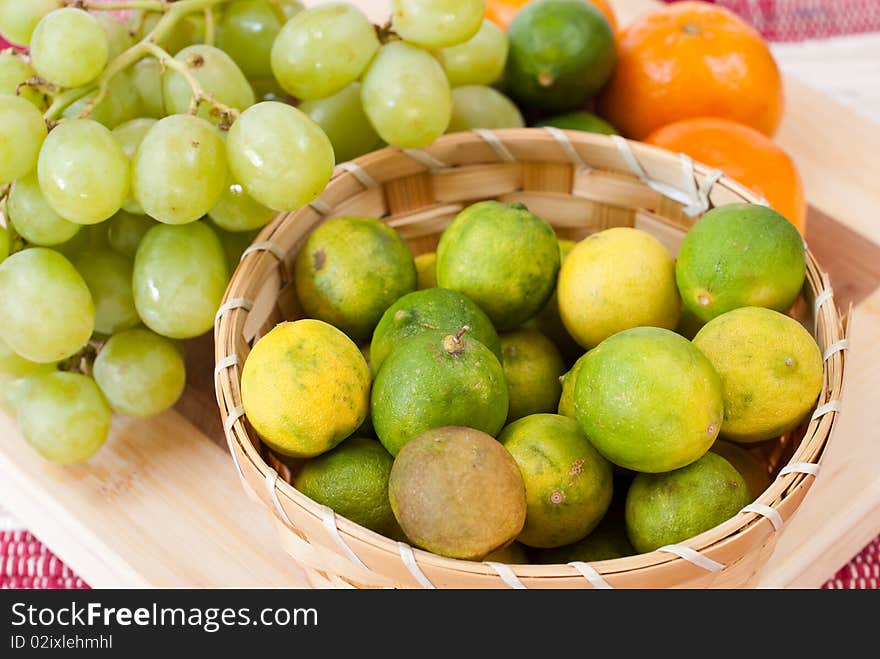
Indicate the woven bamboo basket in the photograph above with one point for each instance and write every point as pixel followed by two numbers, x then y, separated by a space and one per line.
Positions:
pixel 580 183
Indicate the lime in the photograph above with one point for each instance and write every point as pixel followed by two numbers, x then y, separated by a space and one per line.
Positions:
pixel 432 309
pixel 648 400
pixel 615 280
pixel 770 368
pixel 585 121
pixel 663 509
pixel 457 492
pixel 532 368
pixel 561 54
pixel 753 470
pixel 305 387
pixel 502 257
pixel 438 379
pixel 604 543
pixel 740 255
pixel 568 484
pixel 350 270
pixel 426 267
pixel 566 400
pixel 352 479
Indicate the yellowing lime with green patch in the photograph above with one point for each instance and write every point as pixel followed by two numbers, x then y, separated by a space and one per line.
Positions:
pixel 568 484
pixel 770 368
pixel 305 387
pixel 615 280
pixel 532 368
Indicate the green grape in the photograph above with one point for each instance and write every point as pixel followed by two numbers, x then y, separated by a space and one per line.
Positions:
pixel 247 32
pixel 14 371
pixel 108 275
pixel 140 373
pixel 218 76
pixel 281 157
pixel 437 23
pixel 83 171
pixel 119 39
pixel 342 117
pixel 126 230
pixel 90 237
pixel 234 244
pixel 46 310
pixel 4 243
pixel 14 70
pixel 238 211
pixel 64 416
pixel 475 106
pixel 32 216
pixel 179 169
pixel 69 48
pixel 286 9
pixel 19 18
pixel 323 49
pixel 406 95
pixel 180 276
pixel 146 79
pixel 22 132
pixel 121 103
pixel 478 61
pixel 130 135
pixel 268 89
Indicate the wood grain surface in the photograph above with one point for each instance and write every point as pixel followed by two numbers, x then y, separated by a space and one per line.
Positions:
pixel 161 505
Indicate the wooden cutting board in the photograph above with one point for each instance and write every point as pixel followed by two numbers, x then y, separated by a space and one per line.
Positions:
pixel 161 504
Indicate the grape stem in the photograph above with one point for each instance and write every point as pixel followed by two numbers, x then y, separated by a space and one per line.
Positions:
pixel 148 5
pixel 199 95
pixel 173 12
pixel 209 27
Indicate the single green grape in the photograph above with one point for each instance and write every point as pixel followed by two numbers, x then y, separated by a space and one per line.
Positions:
pixel 126 230
pixel 119 39
pixel 323 49
pixel 342 117
pixel 406 95
pixel 33 217
pixel 246 32
pixel 83 171
pixel 108 275
pixel 140 373
pixel 4 243
pixel 437 23
pixel 14 70
pixel 69 47
pixel 268 89
pixel 180 276
pixel 476 106
pixel 130 135
pixel 46 310
pixel 14 371
pixel 286 9
pixel 90 237
pixel 146 79
pixel 218 76
pixel 478 61
pixel 22 133
pixel 234 244
pixel 121 103
pixel 281 157
pixel 18 19
pixel 238 211
pixel 179 169
pixel 64 416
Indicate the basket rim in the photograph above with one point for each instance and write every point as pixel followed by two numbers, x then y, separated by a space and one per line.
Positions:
pixel 783 489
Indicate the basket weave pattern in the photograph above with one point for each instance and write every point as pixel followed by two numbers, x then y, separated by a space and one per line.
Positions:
pixel 580 183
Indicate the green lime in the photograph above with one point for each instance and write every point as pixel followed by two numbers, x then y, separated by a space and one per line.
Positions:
pixel 568 484
pixel 604 543
pixel 561 54
pixel 457 492
pixel 352 479
pixel 426 267
pixel 305 387
pixel 566 400
pixel 502 257
pixel 438 379
pixel 437 309
pixel 753 470
pixel 585 121
pixel 740 255
pixel 648 400
pixel 532 368
pixel 663 509
pixel 350 270
pixel 770 368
